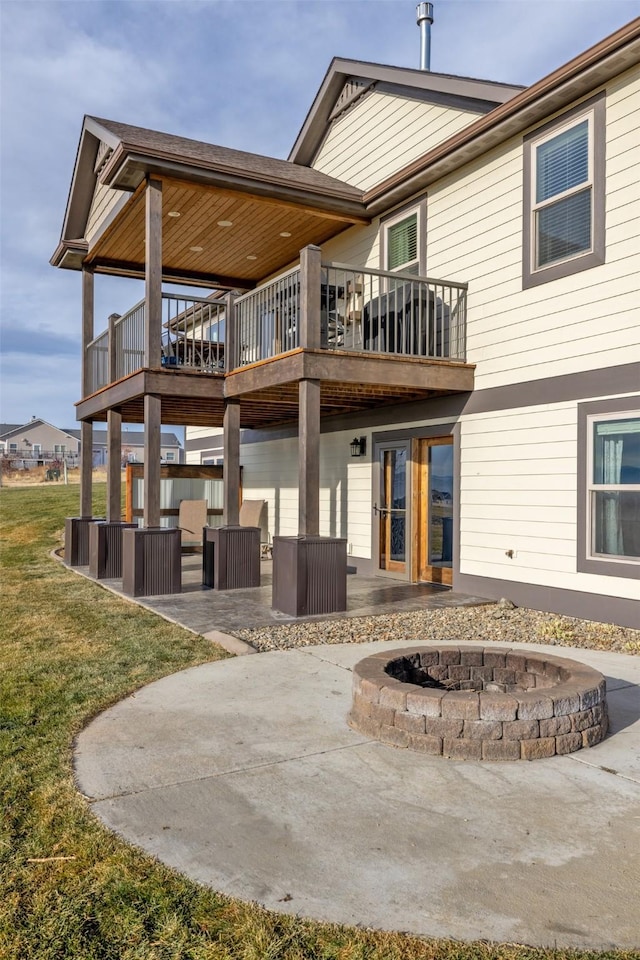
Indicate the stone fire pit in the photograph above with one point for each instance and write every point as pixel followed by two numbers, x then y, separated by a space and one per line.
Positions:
pixel 475 703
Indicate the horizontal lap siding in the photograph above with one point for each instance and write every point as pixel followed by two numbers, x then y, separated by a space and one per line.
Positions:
pixel 202 434
pixel 104 201
pixel 381 133
pixel 583 322
pixel 518 492
pixel 270 472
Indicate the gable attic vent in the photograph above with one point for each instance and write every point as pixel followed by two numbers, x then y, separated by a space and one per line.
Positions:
pixel 104 152
pixel 352 91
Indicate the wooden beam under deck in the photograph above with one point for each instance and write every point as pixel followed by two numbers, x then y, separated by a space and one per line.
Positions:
pixel 268 391
pixel 196 394
pixel 368 371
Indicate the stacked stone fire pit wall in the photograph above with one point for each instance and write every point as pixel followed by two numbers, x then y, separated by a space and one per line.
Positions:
pixel 475 703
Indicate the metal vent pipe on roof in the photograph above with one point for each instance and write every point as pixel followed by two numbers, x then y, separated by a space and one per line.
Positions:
pixel 424 14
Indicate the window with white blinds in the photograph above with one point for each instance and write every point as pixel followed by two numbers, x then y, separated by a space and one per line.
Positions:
pixel 402 245
pixel 563 200
pixel 564 194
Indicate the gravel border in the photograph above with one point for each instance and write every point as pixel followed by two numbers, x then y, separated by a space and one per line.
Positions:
pixel 500 623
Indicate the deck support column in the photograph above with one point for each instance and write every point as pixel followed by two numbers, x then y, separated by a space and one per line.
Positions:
pixel 151 482
pixel 309 571
pixel 231 475
pixel 151 563
pixel 86 429
pixel 114 466
pixel 231 553
pixel 106 539
pixel 76 535
pixel 309 458
pixel 151 554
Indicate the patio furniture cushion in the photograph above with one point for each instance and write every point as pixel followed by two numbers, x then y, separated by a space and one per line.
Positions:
pixel 192 517
pixel 253 513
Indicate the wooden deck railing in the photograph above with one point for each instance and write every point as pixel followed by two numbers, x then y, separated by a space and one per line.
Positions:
pixel 363 310
pixel 192 338
pixel 370 311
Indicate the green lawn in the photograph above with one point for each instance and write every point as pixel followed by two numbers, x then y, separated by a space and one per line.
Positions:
pixel 70 889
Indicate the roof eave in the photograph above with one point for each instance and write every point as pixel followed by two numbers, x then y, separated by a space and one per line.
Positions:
pixel 340 70
pixel 129 166
pixel 69 254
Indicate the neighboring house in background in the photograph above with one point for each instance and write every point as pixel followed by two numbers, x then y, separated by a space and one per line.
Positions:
pixel 37 443
pixel 481 429
pixel 133 447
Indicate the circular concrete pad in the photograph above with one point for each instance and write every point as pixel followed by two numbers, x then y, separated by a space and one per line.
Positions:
pixel 244 775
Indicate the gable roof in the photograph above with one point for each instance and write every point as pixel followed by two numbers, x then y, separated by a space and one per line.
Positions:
pixel 131 144
pixel 36 421
pixel 224 184
pixel 6 428
pixel 463 92
pixel 572 80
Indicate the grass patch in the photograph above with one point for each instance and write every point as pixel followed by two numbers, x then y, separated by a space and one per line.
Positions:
pixel 70 888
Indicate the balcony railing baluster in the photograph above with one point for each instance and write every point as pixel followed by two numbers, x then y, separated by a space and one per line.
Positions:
pixel 361 310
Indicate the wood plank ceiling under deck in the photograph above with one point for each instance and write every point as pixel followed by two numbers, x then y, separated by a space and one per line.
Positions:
pixel 257 225
pixel 269 407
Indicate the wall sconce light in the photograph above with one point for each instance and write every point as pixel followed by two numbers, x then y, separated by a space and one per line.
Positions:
pixel 358 446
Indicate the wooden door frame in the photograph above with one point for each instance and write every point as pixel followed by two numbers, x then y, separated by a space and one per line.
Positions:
pixel 420 509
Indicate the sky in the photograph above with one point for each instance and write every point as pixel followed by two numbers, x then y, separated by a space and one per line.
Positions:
pixel 240 73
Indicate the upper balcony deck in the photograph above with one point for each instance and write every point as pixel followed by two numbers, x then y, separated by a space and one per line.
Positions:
pixel 371 338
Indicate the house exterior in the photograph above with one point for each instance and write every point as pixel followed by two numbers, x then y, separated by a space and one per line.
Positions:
pixel 442 279
pixel 37 443
pixel 132 450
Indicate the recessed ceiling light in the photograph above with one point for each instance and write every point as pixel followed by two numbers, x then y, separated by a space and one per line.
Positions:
pixel 173 213
pixel 251 257
pixel 225 223
pixel 196 249
pixel 285 234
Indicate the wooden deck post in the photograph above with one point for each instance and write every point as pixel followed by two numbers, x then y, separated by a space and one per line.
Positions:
pixel 310 276
pixel 153 274
pixel 230 360
pixel 114 472
pixel 86 428
pixel 231 475
pixel 112 348
pixel 86 469
pixel 87 327
pixel 151 483
pixel 309 458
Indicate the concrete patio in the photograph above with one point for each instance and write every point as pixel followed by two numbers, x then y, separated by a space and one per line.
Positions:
pixel 204 610
pixel 244 775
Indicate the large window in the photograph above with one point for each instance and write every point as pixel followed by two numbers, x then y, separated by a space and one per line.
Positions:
pixel 564 195
pixel 611 541
pixel 614 488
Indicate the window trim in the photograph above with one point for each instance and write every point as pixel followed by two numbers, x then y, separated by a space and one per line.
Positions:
pixel 593 110
pixel 589 413
pixel 419 207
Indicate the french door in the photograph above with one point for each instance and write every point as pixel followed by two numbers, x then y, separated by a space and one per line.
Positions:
pixel 413 508
pixel 391 513
pixel 434 504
